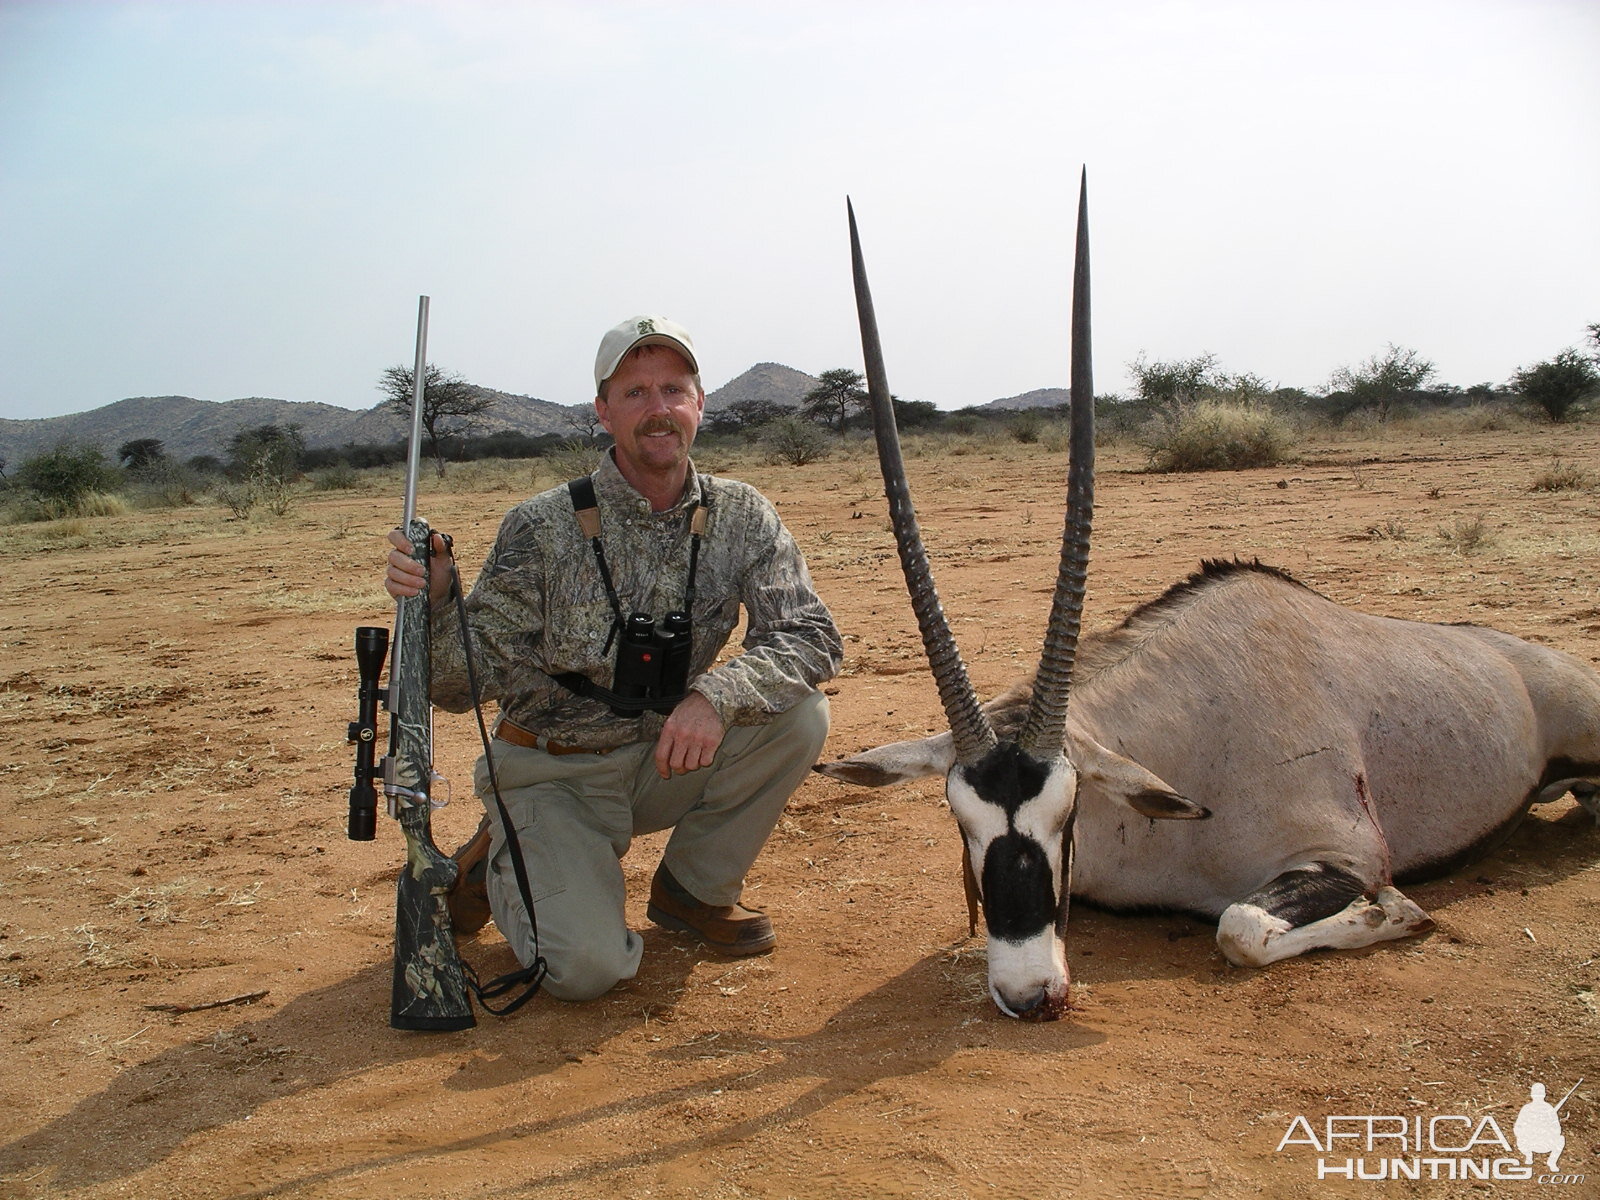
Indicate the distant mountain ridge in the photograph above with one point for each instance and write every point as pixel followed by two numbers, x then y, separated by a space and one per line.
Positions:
pixel 188 427
pixel 1038 398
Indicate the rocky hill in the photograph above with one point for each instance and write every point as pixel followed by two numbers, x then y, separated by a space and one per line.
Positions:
pixel 1038 398
pixel 771 382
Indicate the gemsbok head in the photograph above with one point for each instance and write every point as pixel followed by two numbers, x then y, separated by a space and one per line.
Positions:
pixel 1014 796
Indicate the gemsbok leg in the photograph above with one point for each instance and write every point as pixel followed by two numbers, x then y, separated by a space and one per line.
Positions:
pixel 1319 906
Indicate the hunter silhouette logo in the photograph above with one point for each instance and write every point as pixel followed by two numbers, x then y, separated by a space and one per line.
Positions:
pixel 1538 1127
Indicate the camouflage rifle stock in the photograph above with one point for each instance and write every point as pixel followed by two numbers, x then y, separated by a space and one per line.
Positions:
pixel 430 986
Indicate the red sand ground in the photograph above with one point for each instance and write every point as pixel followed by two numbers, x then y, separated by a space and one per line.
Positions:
pixel 175 688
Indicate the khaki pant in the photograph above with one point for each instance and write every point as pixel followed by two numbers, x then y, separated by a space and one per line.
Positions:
pixel 576 815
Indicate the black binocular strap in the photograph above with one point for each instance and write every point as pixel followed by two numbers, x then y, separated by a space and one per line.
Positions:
pixel 586 507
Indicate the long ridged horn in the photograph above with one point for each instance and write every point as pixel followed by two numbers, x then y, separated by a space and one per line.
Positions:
pixel 1047 715
pixel 973 735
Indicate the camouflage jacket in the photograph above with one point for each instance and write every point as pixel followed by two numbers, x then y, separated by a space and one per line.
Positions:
pixel 539 609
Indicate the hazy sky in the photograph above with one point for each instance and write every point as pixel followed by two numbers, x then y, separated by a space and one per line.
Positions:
pixel 228 199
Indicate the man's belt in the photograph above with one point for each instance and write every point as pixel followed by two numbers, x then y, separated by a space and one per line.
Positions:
pixel 510 731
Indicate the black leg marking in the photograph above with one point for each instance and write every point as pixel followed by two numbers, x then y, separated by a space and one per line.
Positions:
pixel 1318 907
pixel 1307 894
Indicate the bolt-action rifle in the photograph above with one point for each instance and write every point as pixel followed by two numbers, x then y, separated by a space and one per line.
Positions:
pixel 430 985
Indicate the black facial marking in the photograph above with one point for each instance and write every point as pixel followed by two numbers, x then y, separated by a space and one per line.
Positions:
pixel 1309 894
pixel 1007 777
pixel 1019 893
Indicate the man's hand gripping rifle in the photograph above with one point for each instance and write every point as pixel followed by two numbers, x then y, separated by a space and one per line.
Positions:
pixel 430 985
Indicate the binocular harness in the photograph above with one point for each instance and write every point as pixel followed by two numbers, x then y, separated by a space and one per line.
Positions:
pixel 652 669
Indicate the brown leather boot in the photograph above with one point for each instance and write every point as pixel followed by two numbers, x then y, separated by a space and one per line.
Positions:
pixel 469 897
pixel 729 929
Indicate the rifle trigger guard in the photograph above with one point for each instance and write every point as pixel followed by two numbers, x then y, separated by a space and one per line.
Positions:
pixel 396 793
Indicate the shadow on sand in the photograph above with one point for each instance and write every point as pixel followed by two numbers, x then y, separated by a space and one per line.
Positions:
pixel 339 1032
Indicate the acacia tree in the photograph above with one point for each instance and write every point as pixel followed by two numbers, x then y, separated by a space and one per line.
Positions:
pixel 1556 386
pixel 747 414
pixel 141 453
pixel 1383 379
pixel 585 422
pixel 451 407
pixel 837 392
pixel 267 453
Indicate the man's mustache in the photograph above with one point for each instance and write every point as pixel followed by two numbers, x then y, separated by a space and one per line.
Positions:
pixel 660 425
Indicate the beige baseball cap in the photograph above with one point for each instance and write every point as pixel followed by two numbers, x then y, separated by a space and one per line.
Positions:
pixel 641 331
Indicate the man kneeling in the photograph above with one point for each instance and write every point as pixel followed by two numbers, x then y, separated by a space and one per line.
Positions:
pixel 614 721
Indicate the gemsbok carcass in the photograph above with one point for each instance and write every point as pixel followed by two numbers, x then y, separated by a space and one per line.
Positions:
pixel 1240 748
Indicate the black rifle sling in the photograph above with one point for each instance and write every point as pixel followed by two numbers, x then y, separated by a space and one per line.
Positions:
pixel 532 975
pixel 586 508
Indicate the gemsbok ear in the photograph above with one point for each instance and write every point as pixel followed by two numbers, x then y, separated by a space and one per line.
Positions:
pixel 1106 776
pixel 898 762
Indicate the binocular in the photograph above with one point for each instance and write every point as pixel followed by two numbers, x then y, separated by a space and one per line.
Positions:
pixel 652 663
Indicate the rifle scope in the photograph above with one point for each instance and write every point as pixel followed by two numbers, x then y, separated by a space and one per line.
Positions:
pixel 372 647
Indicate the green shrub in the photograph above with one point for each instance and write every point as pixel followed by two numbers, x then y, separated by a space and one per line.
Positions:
pixel 962 424
pixel 795 441
pixel 1027 427
pixel 1558 385
pixel 1212 435
pixel 268 452
pixel 62 475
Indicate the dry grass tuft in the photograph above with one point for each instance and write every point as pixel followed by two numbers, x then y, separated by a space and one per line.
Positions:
pixel 101 950
pixel 1392 529
pixel 155 905
pixel 1562 477
pixel 1467 535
